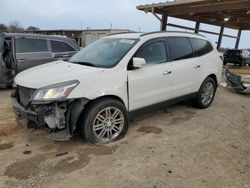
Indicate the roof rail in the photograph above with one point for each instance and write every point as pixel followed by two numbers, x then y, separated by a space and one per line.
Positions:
pixel 121 33
pixel 155 32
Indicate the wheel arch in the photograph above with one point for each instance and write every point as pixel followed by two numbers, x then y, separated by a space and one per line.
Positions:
pixel 88 109
pixel 214 77
pixel 109 97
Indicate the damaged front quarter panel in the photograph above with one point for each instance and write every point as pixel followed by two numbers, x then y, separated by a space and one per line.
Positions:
pixel 59 117
pixel 62 117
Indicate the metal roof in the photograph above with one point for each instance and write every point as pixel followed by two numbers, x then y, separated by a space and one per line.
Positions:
pixel 229 13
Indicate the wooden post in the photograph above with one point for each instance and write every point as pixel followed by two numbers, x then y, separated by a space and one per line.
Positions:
pixel 164 21
pixel 197 27
pixel 238 39
pixel 220 37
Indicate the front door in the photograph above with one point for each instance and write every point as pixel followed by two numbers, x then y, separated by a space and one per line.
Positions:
pixel 151 83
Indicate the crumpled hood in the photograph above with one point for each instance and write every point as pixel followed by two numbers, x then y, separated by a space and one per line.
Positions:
pixel 54 72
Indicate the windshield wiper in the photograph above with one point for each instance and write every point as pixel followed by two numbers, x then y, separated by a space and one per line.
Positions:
pixel 85 63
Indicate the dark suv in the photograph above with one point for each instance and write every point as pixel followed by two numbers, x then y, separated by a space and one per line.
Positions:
pixel 236 56
pixel 19 51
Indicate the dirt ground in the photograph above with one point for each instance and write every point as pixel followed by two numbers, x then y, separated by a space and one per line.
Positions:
pixel 176 147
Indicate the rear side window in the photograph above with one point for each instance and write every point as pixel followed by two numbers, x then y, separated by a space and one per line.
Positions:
pixel 154 52
pixel 179 48
pixel 26 45
pixel 58 47
pixel 200 46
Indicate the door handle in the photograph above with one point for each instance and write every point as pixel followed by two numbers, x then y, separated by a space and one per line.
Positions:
pixel 66 55
pixel 167 72
pixel 21 60
pixel 197 66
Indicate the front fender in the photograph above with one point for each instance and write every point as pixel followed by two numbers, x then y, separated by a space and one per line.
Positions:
pixel 73 113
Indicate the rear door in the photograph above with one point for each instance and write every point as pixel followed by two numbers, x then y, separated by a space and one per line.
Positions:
pixel 185 67
pixel 151 83
pixel 31 52
pixel 202 52
pixel 61 49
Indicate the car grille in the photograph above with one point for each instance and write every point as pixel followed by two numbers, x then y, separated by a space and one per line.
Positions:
pixel 25 95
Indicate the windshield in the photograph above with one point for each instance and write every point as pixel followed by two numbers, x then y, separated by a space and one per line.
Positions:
pixel 106 52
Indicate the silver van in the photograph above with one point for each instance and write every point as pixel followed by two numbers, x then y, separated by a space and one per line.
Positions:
pixel 20 51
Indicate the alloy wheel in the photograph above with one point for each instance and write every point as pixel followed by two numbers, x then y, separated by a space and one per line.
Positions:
pixel 108 124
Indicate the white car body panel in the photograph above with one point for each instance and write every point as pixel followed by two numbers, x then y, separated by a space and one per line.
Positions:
pixel 136 88
pixel 148 85
pixel 55 72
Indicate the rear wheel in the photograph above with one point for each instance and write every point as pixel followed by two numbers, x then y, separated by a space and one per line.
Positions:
pixel 206 94
pixel 105 121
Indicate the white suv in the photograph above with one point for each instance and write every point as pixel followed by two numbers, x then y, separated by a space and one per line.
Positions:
pixel 100 87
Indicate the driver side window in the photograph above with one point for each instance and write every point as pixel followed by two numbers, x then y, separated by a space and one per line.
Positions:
pixel 153 52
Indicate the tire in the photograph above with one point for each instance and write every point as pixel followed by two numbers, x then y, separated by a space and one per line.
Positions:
pixel 200 101
pixel 110 119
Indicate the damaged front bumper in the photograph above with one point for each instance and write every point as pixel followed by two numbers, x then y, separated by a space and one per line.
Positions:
pixel 59 118
pixel 237 82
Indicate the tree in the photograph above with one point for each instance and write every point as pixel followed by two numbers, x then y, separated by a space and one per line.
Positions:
pixel 32 28
pixel 3 28
pixel 15 27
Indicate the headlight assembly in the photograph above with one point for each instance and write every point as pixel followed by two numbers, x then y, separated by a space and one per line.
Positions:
pixel 58 91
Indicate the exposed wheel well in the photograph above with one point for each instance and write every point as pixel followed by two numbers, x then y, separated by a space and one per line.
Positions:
pixel 91 102
pixel 110 97
pixel 104 97
pixel 213 76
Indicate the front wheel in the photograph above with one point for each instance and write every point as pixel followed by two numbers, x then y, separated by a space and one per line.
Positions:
pixel 206 94
pixel 104 121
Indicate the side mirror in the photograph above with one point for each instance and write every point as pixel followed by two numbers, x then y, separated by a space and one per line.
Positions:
pixel 138 62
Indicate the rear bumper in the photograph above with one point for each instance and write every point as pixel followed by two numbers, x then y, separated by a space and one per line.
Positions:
pixel 234 81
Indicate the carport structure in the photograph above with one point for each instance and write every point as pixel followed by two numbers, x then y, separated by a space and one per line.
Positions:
pixel 234 14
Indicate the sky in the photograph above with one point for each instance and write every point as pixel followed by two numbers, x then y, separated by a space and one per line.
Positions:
pixel 96 14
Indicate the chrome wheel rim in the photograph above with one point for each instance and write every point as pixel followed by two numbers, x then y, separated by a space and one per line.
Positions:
pixel 108 124
pixel 207 93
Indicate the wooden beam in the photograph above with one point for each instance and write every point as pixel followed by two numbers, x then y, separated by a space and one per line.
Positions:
pixel 238 39
pixel 164 20
pixel 206 11
pixel 153 12
pixel 220 37
pixel 173 3
pixel 200 30
pixel 197 27
pixel 209 7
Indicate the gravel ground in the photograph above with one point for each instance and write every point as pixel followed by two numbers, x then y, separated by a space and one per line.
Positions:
pixel 176 147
